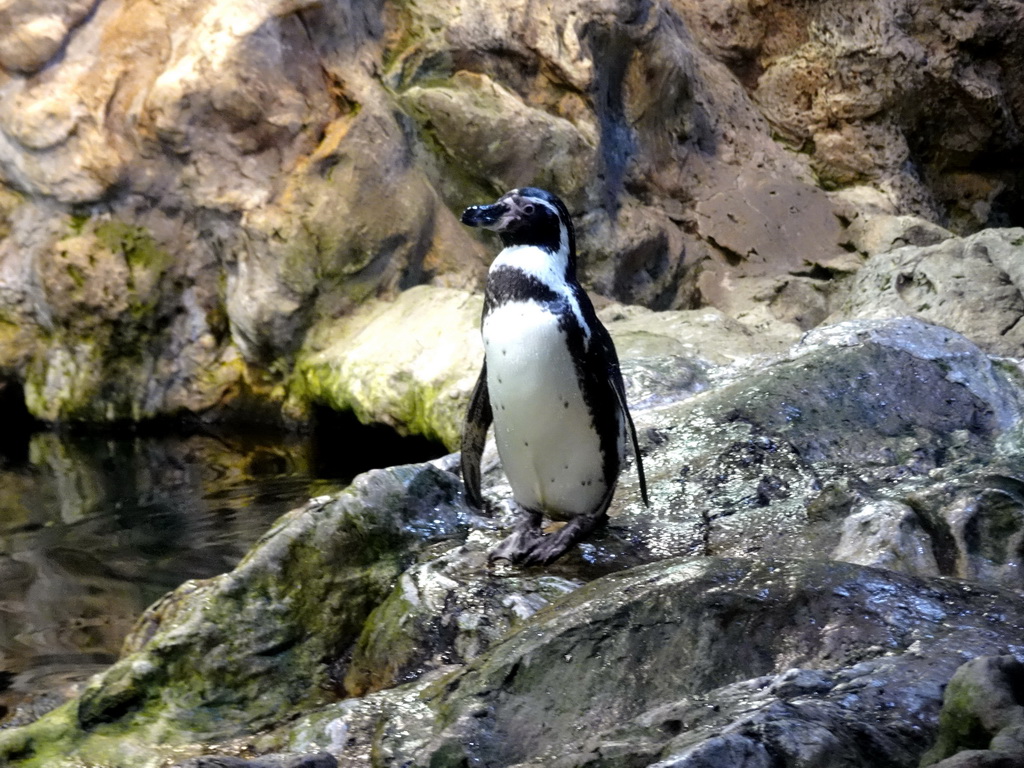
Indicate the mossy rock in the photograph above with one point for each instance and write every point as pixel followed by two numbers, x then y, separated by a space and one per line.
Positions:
pixel 982 698
pixel 810 662
pixel 410 363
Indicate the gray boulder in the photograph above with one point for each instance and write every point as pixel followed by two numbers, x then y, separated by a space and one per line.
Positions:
pixel 694 662
pixel 785 459
pixel 982 718
pixel 974 285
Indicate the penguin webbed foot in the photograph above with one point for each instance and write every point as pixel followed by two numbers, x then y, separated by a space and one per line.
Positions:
pixel 529 546
pixel 524 538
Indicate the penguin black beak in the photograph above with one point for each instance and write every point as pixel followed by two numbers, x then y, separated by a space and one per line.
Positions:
pixel 486 216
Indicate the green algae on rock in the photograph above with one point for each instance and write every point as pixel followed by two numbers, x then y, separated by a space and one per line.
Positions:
pixel 127 337
pixel 768 460
pixel 446 610
pixel 982 710
pixel 410 363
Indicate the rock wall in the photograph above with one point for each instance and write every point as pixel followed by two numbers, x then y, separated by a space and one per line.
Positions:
pixel 192 192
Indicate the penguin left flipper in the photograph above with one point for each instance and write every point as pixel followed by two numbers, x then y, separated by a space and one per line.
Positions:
pixel 474 435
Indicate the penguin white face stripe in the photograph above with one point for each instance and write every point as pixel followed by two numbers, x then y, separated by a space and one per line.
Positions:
pixel 563 230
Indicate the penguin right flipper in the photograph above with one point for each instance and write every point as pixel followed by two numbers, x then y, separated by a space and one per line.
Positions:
pixel 620 395
pixel 478 418
pixel 605 348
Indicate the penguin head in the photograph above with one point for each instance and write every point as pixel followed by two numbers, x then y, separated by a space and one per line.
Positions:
pixel 527 216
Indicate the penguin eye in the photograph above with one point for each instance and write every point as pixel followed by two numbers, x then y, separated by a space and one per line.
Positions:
pixel 528 209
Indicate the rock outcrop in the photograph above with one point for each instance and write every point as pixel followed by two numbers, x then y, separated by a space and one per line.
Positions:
pixel 982 717
pixel 974 285
pixel 191 194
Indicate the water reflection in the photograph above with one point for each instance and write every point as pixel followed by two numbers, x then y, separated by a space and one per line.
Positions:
pixel 93 530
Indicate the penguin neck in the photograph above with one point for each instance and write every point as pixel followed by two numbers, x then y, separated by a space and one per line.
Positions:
pixel 555 269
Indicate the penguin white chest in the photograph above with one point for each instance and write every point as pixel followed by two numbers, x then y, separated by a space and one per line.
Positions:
pixel 544 430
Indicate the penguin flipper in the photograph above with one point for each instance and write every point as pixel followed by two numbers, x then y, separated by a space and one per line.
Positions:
pixel 620 395
pixel 478 418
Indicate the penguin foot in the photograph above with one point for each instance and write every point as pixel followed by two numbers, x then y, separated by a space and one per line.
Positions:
pixel 528 546
pixel 517 547
pixel 523 539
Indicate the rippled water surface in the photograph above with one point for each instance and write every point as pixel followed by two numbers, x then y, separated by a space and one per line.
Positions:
pixel 94 529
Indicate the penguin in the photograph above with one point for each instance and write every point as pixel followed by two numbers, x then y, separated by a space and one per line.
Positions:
pixel 550 382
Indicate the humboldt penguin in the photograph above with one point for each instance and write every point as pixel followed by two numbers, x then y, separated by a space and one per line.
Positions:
pixel 550 382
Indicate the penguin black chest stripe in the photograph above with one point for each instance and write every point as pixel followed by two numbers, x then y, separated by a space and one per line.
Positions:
pixel 505 284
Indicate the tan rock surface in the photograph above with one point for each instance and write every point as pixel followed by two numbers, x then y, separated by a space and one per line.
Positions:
pixel 293 159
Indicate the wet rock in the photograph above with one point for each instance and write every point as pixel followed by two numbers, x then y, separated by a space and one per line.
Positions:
pixel 447 610
pixel 974 285
pixel 772 459
pixel 693 661
pixel 982 758
pixel 707 337
pixel 887 534
pixel 977 518
pixel 884 442
pixel 319 760
pixel 710 626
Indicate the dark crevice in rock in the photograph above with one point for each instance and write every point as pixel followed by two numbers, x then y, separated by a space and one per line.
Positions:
pixel 944 545
pixel 345 447
pixel 732 258
pixel 18 424
pixel 613 47
pixel 1007 209
pixel 1009 328
pixel 819 272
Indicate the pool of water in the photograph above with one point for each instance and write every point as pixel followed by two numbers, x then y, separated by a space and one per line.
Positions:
pixel 93 529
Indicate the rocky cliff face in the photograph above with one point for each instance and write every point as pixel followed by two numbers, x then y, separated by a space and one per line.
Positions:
pixel 193 192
